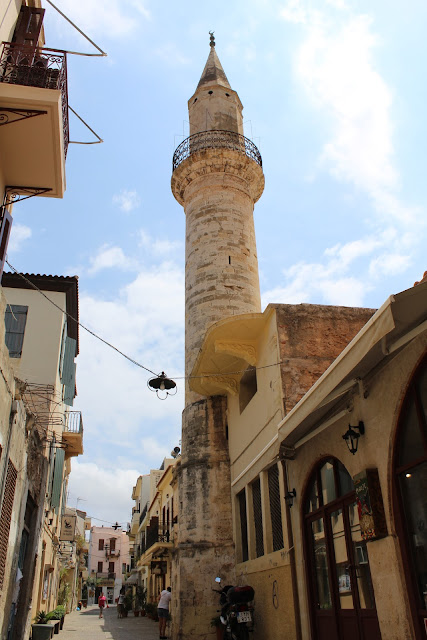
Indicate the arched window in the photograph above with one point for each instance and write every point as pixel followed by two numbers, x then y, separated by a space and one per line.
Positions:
pixel 410 472
pixel 342 602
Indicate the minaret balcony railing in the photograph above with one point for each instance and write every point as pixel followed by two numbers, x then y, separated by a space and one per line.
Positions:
pixel 215 140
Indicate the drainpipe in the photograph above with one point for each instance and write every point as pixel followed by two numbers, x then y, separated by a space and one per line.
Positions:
pixel 295 595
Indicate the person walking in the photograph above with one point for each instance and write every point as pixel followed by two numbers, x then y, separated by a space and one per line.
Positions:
pixel 102 600
pixel 120 604
pixel 163 611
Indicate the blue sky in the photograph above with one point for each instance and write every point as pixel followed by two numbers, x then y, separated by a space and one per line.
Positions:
pixel 334 96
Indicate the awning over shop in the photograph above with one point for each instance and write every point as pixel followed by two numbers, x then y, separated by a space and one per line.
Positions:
pixel 133 579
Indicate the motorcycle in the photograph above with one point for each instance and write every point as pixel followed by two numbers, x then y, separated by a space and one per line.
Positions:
pixel 236 612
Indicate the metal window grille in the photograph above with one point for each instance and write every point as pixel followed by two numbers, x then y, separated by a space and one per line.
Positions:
pixel 15 319
pixel 241 497
pixel 256 500
pixel 275 510
pixel 6 515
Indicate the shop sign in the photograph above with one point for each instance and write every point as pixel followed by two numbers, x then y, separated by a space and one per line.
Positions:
pixel 68 528
pixel 105 582
pixel 370 505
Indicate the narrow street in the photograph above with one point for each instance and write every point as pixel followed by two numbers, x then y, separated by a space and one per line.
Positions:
pixel 81 625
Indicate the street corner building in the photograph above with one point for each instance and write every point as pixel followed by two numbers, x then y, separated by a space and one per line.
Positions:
pixel 304 442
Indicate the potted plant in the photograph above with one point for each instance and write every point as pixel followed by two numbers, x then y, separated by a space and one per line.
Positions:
pixel 41 629
pixel 151 610
pixel 58 614
pixel 127 603
pixel 140 600
pixel 216 622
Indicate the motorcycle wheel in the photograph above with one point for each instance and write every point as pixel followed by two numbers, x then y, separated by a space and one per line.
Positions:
pixel 243 633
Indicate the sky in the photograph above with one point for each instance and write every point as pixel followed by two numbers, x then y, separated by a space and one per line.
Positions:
pixel 334 96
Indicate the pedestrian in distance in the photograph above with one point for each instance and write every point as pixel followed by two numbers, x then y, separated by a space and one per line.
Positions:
pixel 163 611
pixel 102 600
pixel 120 603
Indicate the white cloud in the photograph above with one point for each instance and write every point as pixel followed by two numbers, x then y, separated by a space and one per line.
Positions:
pixel 104 492
pixel 157 247
pixel 335 64
pixel 110 258
pixel 127 200
pixel 18 235
pixel 294 12
pixel 330 282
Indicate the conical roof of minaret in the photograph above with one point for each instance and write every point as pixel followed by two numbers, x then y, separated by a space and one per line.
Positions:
pixel 213 73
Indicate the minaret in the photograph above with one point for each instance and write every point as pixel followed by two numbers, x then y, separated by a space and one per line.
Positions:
pixel 217 178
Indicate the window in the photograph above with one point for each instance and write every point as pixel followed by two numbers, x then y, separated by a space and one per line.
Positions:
pixel 241 498
pixel 111 567
pixel 6 515
pixel 15 319
pixel 248 387
pixel 100 567
pixel 256 501
pixel 100 544
pixel 275 507
pixel 124 567
pixel 112 544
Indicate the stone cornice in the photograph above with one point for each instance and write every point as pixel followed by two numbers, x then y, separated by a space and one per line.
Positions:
pixel 249 174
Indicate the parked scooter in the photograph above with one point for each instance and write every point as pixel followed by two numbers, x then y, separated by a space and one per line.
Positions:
pixel 236 612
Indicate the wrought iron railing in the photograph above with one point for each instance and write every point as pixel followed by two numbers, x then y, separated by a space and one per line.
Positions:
pixel 215 140
pixel 158 534
pixel 37 67
pixel 73 422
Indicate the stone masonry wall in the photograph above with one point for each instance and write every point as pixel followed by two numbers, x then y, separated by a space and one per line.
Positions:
pixel 311 337
pixel 205 546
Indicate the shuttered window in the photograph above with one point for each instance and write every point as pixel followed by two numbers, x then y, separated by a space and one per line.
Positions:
pixel 256 501
pixel 5 517
pixel 100 567
pixel 15 319
pixel 241 497
pixel 57 479
pixel 275 508
pixel 68 377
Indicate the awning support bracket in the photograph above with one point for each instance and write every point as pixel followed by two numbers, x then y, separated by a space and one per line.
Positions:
pixel 20 114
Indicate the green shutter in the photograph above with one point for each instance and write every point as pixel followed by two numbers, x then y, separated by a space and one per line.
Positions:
pixel 68 377
pixel 57 479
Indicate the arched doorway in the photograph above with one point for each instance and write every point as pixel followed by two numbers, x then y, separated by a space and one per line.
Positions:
pixel 342 602
pixel 410 484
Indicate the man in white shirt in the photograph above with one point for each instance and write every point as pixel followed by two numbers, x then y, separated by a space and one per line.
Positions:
pixel 163 611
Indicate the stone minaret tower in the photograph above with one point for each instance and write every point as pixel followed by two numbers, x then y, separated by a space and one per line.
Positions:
pixel 217 178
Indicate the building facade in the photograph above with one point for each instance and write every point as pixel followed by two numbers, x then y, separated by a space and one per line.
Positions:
pixel 43 343
pixel 109 561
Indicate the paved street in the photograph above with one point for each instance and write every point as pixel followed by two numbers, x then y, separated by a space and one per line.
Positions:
pixel 86 625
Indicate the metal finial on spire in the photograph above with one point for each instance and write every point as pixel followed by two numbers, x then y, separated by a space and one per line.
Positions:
pixel 212 42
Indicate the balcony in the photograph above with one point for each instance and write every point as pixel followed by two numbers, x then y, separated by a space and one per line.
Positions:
pixel 72 435
pixel 112 553
pixel 215 140
pixel 33 117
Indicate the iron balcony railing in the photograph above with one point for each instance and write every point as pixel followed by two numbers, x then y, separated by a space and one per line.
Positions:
pixel 31 66
pixel 73 422
pixel 158 534
pixel 215 140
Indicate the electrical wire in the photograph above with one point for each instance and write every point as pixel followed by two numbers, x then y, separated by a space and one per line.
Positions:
pixel 92 333
pixel 135 362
